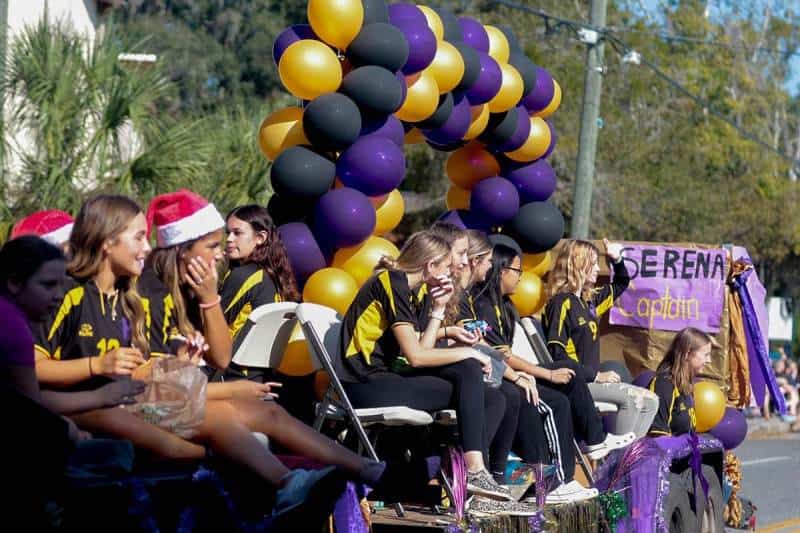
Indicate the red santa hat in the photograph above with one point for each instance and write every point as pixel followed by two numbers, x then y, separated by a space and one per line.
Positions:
pixel 52 225
pixel 182 216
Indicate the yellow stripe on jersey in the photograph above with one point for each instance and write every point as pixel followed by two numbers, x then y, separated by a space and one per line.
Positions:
pixel 71 299
pixel 254 279
pixel 169 305
pixel 241 320
pixel 571 352
pixel 148 319
pixel 565 307
pixel 606 304
pixel 370 326
pixel 387 286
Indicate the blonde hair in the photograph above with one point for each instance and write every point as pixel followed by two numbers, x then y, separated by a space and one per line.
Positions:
pixel 165 263
pixel 571 269
pixel 102 218
pixel 420 249
pixel 676 360
pixel 479 243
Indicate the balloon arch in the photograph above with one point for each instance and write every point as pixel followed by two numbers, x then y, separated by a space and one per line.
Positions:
pixel 374 77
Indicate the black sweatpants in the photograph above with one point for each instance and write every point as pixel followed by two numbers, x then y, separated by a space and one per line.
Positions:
pixel 586 422
pixel 456 386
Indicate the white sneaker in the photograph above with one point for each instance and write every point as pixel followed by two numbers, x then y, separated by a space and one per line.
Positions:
pixel 569 493
pixel 612 442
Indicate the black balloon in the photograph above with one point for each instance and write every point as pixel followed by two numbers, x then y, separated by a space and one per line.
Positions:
pixel 375 11
pixel 440 116
pixel 282 212
pixel 301 174
pixel 452 29
pixel 501 127
pixel 526 69
pixel 505 240
pixel 472 65
pixel 374 89
pixel 379 44
pixel 332 122
pixel 447 147
pixel 537 227
pixel 513 43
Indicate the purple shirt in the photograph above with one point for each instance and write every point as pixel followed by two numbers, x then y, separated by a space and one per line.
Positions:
pixel 16 339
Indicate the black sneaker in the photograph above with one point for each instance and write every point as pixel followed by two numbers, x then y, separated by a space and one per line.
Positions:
pixel 479 506
pixel 482 483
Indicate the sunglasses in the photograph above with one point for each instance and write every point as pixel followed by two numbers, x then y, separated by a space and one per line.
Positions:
pixel 517 270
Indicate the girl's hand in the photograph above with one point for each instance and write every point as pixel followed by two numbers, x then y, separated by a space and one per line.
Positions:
pixel 116 362
pixel 528 384
pixel 442 292
pixel 193 349
pixel 203 279
pixel 607 377
pixel 245 389
pixel 74 433
pixel 461 335
pixel 613 250
pixel 561 375
pixel 484 360
pixel 120 392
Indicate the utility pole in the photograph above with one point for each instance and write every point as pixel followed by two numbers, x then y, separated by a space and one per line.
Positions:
pixel 592 85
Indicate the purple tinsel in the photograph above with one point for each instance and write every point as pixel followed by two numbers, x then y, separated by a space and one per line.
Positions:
pixel 141 506
pixel 458 470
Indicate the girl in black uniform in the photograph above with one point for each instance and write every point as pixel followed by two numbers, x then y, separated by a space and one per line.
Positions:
pixel 181 283
pixel 689 351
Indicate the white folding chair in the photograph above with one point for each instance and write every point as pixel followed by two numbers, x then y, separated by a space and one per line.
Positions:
pixel 265 342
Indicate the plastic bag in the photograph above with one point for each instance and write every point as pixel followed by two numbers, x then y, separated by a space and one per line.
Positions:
pixel 174 397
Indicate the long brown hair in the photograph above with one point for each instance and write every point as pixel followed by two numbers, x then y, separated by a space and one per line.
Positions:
pixel 165 263
pixel 676 360
pixel 571 269
pixel 271 255
pixel 102 218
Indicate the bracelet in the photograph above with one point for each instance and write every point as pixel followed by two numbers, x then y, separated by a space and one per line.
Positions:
pixel 437 317
pixel 211 304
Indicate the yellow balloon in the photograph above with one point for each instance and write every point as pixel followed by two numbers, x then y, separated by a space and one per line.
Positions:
pixel 337 22
pixel 359 261
pixel 331 287
pixel 709 405
pixel 528 297
pixel 434 21
pixel 309 68
pixel 478 122
pixel 510 91
pixel 281 130
pixel 447 67
pixel 539 264
pixel 536 145
pixel 457 198
pixel 470 164
pixel 296 358
pixel 422 98
pixel 498 44
pixel 414 136
pixel 552 107
pixel 389 214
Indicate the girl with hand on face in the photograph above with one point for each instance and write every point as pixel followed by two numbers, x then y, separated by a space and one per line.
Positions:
pixel 571 320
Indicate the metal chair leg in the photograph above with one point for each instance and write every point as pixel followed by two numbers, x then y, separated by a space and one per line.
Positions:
pixel 583 462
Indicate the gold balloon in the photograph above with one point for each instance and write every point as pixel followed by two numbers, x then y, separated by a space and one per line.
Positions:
pixel 539 264
pixel 457 198
pixel 510 91
pixel 422 98
pixel 389 213
pixel 337 22
pixel 414 136
pixel 281 130
pixel 470 164
pixel 447 67
pixel 528 297
pixel 536 145
pixel 478 122
pixel 297 357
pixel 552 107
pixel 331 287
pixel 709 405
pixel 498 44
pixel 434 22
pixel 309 68
pixel 359 261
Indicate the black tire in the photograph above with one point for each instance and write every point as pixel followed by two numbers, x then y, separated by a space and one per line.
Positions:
pixel 678 512
pixel 709 511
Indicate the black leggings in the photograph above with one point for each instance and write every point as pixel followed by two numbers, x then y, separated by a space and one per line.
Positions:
pixel 458 386
pixel 587 423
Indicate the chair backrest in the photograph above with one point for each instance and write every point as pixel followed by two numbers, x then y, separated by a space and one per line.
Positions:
pixel 322 327
pixel 265 343
pixel 521 345
pixel 536 339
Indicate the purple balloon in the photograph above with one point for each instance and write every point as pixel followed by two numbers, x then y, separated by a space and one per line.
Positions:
pixel 373 165
pixel 488 83
pixel 389 127
pixel 732 429
pixel 520 134
pixel 421 44
pixel 455 127
pixel 495 200
pixel 644 378
pixel 403 12
pixel 535 181
pixel 288 37
pixel 305 255
pixel 553 140
pixel 541 94
pixel 343 217
pixel 474 34
pixel 465 219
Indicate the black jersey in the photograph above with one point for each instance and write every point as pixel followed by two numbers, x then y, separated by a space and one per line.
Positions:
pixel 676 414
pixel 244 289
pixel 571 324
pixel 501 318
pixel 368 344
pixel 162 327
